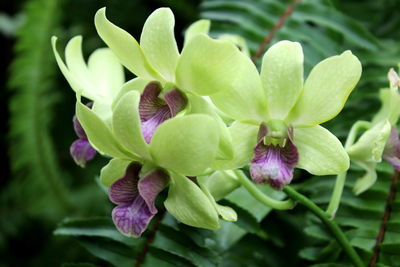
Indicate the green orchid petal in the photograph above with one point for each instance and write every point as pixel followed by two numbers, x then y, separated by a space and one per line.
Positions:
pixel 366 181
pixel 106 71
pixel 187 145
pixel 114 170
pixel 282 77
pixel 136 84
pixel 79 83
pixel 125 47
pixel 326 90
pixel 245 99
pixel 237 40
pixel 198 105
pixel 320 152
pixel 199 27
pixel 127 124
pixel 99 134
pixel 390 107
pixel 220 183
pixel 370 146
pixel 102 108
pixel 99 80
pixel 244 139
pixel 158 42
pixel 209 66
pixel 188 204
pixel 226 213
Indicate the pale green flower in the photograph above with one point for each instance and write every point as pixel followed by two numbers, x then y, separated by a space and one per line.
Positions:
pixel 185 145
pixel 380 140
pixel 286 113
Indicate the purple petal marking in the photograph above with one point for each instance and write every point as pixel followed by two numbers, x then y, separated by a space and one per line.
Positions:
pixel 149 101
pixel 175 101
pixel 392 149
pixel 132 219
pixel 150 186
pixel 124 190
pixel 262 132
pixel 81 151
pixel 153 110
pixel 273 164
pixel 78 128
pixel 150 126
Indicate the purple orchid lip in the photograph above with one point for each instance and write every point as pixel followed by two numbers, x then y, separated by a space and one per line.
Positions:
pixel 273 164
pixel 81 150
pixel 153 110
pixel 391 152
pixel 135 198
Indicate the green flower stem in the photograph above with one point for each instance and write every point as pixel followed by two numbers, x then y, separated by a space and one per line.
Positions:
pixel 330 224
pixel 336 195
pixel 261 197
pixel 341 178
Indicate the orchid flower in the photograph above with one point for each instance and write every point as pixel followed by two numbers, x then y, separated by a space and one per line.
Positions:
pixel 381 139
pixel 99 81
pixel 203 68
pixel 277 116
pixel 138 124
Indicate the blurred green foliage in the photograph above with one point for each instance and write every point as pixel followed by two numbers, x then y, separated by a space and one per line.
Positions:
pixel 45 186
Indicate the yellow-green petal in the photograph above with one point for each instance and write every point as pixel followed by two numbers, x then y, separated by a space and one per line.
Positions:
pixel 199 105
pixel 320 152
pixel 326 90
pixel 124 46
pixel 74 81
pixel 282 77
pixel 226 213
pixel 220 183
pixel 127 124
pixel 209 66
pixel 99 134
pixel 106 72
pixel 201 26
pixel 114 170
pixel 370 146
pixel 158 42
pixel 188 204
pixel 186 145
pixel 390 103
pixel 244 140
pixel 363 183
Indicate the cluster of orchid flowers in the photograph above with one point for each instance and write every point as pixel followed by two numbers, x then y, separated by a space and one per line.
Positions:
pixel 190 118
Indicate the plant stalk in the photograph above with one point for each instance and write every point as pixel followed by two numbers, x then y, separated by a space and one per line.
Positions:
pixel 341 178
pixel 330 224
pixel 261 197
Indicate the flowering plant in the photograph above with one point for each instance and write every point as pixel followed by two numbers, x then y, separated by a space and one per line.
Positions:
pixel 193 120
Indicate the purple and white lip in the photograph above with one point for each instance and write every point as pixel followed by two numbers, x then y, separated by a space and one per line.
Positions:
pixel 273 164
pixel 153 110
pixel 135 198
pixel 81 150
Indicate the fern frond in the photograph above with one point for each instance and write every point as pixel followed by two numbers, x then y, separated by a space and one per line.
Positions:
pixel 33 159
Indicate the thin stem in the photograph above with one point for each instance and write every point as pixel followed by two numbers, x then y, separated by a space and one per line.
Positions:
pixel 386 216
pixel 330 224
pixel 275 28
pixel 140 259
pixel 336 195
pixel 341 177
pixel 261 197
